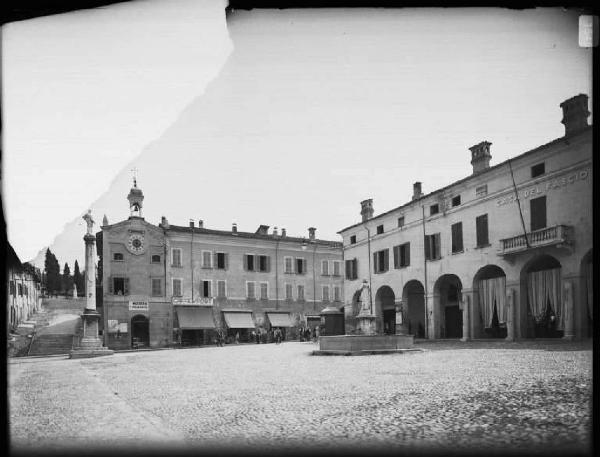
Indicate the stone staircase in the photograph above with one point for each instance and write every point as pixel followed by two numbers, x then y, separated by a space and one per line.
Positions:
pixel 51 344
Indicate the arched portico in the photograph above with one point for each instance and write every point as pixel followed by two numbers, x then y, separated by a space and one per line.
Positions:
pixel 413 303
pixel 489 302
pixel 385 310
pixel 541 292
pixel 447 321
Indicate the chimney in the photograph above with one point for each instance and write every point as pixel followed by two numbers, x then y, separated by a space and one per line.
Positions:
pixel 575 114
pixel 262 230
pixel 200 223
pixel 311 233
pixel 164 223
pixel 366 209
pixel 480 156
pixel 417 192
pixel 283 232
pixel 191 223
pixel 104 220
pixel 275 233
pixel 234 228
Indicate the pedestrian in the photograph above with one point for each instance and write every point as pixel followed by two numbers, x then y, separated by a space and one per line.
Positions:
pixel 317 332
pixel 237 337
pixel 253 335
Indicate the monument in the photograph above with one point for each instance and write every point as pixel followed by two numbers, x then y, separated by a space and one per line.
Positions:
pixel 90 344
pixel 367 340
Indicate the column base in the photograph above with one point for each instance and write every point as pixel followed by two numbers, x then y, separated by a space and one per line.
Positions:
pixel 464 339
pixel 81 353
pixel 568 337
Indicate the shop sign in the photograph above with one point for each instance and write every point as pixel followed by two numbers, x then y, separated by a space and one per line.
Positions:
pixel 206 301
pixel 138 305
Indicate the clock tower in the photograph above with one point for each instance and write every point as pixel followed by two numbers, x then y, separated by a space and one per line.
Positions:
pixel 136 199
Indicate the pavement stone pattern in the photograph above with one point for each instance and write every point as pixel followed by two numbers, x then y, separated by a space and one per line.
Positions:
pixel 526 397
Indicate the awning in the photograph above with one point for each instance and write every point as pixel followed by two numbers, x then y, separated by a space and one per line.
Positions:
pixel 239 319
pixel 195 317
pixel 280 320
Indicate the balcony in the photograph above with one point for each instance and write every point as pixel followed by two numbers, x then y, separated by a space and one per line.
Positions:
pixel 559 235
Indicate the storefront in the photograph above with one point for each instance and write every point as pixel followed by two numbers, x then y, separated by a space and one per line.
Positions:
pixel 280 320
pixel 194 325
pixel 238 322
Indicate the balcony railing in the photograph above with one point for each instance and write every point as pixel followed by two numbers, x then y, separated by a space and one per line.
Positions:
pixel 550 236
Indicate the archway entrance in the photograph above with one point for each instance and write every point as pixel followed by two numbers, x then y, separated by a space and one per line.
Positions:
pixel 490 299
pixel 140 331
pixel 541 280
pixel 385 310
pixel 587 281
pixel 413 299
pixel 447 291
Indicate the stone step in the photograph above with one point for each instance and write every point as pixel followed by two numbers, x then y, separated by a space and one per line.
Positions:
pixel 51 344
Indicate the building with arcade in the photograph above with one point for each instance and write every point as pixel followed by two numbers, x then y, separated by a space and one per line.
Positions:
pixel 505 252
pixel 166 284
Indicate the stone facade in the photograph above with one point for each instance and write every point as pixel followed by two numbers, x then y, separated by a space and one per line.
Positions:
pixel 178 265
pixel 23 290
pixel 473 231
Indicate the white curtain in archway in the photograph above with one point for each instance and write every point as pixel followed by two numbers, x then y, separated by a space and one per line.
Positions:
pixel 492 291
pixel 543 287
pixel 590 288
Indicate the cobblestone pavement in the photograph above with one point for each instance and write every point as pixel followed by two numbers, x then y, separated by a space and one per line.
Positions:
pixel 530 396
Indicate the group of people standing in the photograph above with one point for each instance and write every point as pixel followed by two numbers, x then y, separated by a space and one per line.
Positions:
pixel 263 336
pixel 306 334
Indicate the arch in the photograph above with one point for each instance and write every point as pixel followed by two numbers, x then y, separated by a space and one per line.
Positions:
pixel 140 330
pixel 413 304
pixel 587 293
pixel 489 302
pixel 447 320
pixel 541 291
pixel 385 310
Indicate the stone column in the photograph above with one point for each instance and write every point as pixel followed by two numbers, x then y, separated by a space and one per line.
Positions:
pixel 568 310
pixel 466 324
pixel 510 314
pixel 90 344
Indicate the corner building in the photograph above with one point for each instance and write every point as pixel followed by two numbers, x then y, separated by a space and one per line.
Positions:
pixel 505 252
pixel 166 284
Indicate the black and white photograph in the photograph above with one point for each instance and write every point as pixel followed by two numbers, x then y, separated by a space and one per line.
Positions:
pixel 252 229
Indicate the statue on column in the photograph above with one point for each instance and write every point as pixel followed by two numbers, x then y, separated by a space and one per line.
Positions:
pixel 365 298
pixel 89 220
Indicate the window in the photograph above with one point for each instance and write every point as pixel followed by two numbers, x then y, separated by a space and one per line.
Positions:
pixel 206 259
pixel 352 269
pixel 177 287
pixel 206 288
pixel 481 227
pixel 120 286
pixel 337 296
pixel 249 262
pixel 155 258
pixel 434 209
pixel 325 293
pixel 432 247
pixel 12 288
pixel 300 292
pixel 481 191
pixel 379 229
pixel 156 287
pixel 20 288
pixel 381 261
pixel 263 263
pixel 538 213
pixel 264 290
pixel 300 266
pixel 289 265
pixel 176 257
pixel 402 255
pixel 457 237
pixel 288 292
pixel 118 256
pixel 250 293
pixel 324 267
pixel 353 239
pixel 401 221
pixel 538 170
pixel 221 261
pixel 336 268
pixel 221 289
pixel 456 201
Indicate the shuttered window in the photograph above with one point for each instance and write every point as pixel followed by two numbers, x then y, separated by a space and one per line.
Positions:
pixel 263 263
pixel 336 268
pixel 337 293
pixel 221 289
pixel 381 261
pixel 289 265
pixel 156 287
pixel 325 293
pixel 177 287
pixel 352 269
pixel 250 292
pixel 288 292
pixel 457 237
pixel 206 288
pixel 324 267
pixel 176 257
pixel 402 255
pixel 300 292
pixel 538 213
pixel 481 226
pixel 432 247
pixel 300 266
pixel 221 260
pixel 264 290
pixel 207 259
pixel 119 286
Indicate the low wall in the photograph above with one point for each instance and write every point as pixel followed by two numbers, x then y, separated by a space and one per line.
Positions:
pixel 355 343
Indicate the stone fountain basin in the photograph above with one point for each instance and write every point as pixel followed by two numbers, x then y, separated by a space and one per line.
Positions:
pixel 365 344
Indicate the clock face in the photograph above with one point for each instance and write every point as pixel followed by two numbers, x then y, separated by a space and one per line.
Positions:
pixel 135 244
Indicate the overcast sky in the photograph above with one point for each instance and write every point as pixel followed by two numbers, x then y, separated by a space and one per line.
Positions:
pixel 302 115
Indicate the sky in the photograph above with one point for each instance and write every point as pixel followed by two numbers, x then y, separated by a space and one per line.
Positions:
pixel 287 118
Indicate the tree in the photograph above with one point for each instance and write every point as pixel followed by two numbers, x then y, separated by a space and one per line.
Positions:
pixel 67 280
pixel 78 278
pixel 52 269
